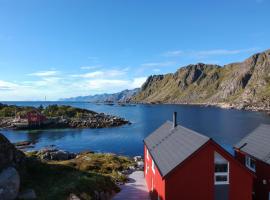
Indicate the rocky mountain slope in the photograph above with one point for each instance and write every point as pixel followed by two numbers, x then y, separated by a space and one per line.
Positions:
pixel 244 85
pixel 122 97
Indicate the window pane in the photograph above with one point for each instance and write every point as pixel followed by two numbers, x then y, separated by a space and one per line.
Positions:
pixel 221 178
pixel 221 167
pixel 252 163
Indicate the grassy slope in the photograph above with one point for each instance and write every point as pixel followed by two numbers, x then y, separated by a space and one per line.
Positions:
pixel 82 176
pixel 233 83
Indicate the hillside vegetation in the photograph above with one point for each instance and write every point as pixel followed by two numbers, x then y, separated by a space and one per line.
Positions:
pixel 244 85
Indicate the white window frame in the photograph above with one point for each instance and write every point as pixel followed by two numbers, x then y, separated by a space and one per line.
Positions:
pixel 248 160
pixel 153 166
pixel 223 174
pixel 147 154
pixel 227 174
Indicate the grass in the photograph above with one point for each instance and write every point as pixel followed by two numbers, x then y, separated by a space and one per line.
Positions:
pixel 82 176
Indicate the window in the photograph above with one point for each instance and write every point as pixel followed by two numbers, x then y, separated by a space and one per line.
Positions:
pixel 146 170
pixel 153 166
pixel 221 170
pixel 250 163
pixel 147 154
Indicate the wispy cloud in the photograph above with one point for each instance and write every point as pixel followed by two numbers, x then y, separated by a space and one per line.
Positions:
pixel 103 73
pixel 158 64
pixel 208 53
pixel 47 73
pixel 4 85
pixel 112 85
pixel 173 53
pixel 90 67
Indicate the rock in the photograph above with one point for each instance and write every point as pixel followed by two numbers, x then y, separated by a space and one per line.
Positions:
pixel 137 158
pixel 55 154
pixel 9 184
pixel 28 194
pixel 73 197
pixel 9 155
pixel 140 165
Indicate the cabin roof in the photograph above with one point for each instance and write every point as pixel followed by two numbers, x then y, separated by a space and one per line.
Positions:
pixel 256 143
pixel 170 146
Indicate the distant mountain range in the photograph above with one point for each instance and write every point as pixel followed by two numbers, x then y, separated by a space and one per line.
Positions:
pixel 119 97
pixel 243 85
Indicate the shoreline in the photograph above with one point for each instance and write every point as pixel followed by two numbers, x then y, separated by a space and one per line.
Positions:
pixel 227 106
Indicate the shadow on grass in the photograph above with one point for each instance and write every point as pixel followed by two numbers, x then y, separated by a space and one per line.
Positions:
pixel 54 181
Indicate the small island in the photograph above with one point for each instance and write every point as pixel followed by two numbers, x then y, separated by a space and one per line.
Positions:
pixel 54 116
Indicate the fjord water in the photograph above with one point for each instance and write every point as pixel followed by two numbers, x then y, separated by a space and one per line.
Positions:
pixel 227 127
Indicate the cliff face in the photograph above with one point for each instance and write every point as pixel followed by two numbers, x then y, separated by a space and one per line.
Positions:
pixel 241 85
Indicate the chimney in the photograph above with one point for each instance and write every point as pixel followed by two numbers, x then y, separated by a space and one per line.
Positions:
pixel 174 119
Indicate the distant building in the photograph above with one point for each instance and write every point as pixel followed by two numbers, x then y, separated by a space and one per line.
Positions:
pixel 181 164
pixel 253 151
pixel 35 118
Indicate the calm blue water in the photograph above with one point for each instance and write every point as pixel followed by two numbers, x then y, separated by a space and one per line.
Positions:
pixel 227 127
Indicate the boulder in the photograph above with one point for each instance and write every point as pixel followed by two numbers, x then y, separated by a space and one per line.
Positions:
pixel 9 155
pixel 9 184
pixel 140 165
pixel 73 197
pixel 137 158
pixel 55 154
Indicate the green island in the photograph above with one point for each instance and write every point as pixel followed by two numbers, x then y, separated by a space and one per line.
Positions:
pixel 54 116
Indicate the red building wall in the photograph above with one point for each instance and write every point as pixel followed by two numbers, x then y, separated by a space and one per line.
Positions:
pixel 262 173
pixel 159 184
pixel 194 178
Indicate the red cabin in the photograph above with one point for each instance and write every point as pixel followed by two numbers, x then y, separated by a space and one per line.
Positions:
pixel 254 152
pixel 181 164
pixel 35 118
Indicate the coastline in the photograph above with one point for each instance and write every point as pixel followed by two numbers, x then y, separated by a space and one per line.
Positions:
pixel 218 105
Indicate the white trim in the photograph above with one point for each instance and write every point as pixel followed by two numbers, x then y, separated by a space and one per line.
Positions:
pixel 146 170
pixel 147 154
pixel 153 166
pixel 226 174
pixel 248 160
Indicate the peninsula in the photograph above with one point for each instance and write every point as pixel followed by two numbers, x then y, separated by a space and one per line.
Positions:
pixel 54 116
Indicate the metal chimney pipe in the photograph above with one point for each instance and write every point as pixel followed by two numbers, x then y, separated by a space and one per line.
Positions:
pixel 174 119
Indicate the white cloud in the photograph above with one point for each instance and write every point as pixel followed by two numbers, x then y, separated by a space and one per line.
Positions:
pixel 208 53
pixel 112 85
pixel 103 74
pixel 158 64
pixel 138 82
pixel 4 85
pixel 45 73
pixel 90 67
pixel 174 53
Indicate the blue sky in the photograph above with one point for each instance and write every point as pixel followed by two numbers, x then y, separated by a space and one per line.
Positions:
pixel 64 48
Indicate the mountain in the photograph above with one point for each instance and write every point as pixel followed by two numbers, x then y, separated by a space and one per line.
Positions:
pixel 244 85
pixel 122 97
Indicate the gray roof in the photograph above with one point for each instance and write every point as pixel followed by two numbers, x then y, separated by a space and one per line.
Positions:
pixel 170 146
pixel 257 143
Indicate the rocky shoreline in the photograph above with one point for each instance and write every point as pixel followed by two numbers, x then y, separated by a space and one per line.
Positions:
pixel 264 109
pixel 99 120
pixel 51 173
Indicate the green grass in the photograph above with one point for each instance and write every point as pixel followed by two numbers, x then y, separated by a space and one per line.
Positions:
pixel 82 176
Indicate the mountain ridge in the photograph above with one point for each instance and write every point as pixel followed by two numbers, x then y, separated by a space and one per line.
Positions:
pixel 241 85
pixel 119 97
